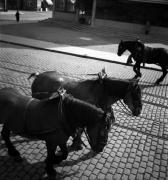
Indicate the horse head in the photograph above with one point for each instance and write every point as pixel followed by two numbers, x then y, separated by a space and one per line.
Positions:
pixel 131 46
pixel 97 134
pixel 121 48
pixel 85 115
pixel 132 98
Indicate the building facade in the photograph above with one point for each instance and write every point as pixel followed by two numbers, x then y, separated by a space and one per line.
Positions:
pixel 133 11
pixel 32 5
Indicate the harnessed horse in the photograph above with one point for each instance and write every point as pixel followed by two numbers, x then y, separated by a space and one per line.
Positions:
pixel 145 54
pixel 53 120
pixel 102 91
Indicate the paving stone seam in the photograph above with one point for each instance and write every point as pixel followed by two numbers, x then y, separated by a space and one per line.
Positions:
pixel 154 104
pixel 139 131
pixel 155 95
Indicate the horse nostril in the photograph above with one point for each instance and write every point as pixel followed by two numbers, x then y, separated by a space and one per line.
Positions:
pixel 137 112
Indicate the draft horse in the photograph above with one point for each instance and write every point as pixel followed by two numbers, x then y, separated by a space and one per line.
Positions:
pixel 53 120
pixel 102 91
pixel 145 54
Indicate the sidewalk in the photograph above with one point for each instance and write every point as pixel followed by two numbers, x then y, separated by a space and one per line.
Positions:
pixel 69 49
pixel 73 39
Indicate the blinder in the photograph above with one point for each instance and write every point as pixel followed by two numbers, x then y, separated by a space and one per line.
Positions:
pixel 132 91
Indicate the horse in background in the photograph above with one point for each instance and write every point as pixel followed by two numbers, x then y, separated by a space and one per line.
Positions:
pixel 128 46
pixel 53 120
pixel 145 54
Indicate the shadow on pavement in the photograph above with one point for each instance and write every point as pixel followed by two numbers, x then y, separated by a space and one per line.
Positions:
pixel 12 170
pixel 25 170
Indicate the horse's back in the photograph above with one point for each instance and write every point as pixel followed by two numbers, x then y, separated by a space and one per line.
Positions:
pixel 48 82
pixel 12 105
pixel 11 96
pixel 156 55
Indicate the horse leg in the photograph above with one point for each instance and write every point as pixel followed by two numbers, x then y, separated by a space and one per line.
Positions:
pixel 129 60
pixel 136 69
pixel 50 158
pixel 11 149
pixel 77 142
pixel 63 156
pixel 164 70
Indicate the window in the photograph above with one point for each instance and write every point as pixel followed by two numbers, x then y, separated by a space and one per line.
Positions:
pixel 65 5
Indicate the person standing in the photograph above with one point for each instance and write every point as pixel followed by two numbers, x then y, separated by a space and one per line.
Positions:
pixel 17 16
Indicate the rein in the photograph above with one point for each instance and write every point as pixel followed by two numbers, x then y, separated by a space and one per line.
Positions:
pixel 124 108
pixel 89 140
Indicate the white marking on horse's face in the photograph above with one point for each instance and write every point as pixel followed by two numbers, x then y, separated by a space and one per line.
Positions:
pixel 61 79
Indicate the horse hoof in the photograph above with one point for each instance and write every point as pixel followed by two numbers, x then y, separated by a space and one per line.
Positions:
pixel 79 147
pixel 52 177
pixel 135 77
pixel 18 159
pixel 76 147
pixel 157 82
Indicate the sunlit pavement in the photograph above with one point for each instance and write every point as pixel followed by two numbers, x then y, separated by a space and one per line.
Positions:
pixel 137 148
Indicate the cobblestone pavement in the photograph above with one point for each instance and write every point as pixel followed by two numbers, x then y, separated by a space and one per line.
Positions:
pixel 137 148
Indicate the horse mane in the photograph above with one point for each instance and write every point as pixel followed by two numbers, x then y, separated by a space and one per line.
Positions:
pixel 82 111
pixel 119 87
pixel 132 45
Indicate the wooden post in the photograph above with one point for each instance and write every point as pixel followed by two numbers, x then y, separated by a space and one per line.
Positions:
pixel 18 4
pixel 6 5
pixel 93 12
pixel 53 11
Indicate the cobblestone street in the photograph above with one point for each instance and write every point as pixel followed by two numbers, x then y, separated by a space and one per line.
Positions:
pixel 137 147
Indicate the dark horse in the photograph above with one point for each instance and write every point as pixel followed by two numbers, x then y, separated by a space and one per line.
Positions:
pixel 52 120
pixel 101 92
pixel 145 54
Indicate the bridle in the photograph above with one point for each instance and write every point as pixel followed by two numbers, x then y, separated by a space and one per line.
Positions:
pixel 123 107
pixel 87 136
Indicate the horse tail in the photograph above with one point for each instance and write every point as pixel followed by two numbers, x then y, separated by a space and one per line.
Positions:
pixel 33 75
